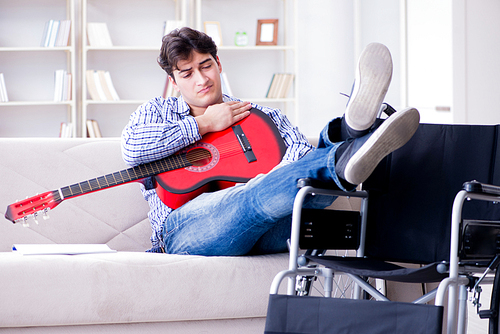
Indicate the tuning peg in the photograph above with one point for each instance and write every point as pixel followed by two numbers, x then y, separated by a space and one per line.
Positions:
pixel 35 219
pixel 45 215
pixel 25 221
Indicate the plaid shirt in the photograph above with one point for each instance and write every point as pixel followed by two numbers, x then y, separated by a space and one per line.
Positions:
pixel 161 127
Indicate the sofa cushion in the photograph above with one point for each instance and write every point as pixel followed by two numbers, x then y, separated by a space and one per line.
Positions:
pixel 45 290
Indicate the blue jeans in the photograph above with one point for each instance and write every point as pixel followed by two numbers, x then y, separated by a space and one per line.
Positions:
pixel 250 218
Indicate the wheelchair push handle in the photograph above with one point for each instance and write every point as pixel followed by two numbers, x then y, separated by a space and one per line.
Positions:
pixel 481 188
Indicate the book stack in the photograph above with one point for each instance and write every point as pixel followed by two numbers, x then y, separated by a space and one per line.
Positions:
pixel 280 86
pixel 93 130
pixel 100 86
pixel 98 34
pixel 56 33
pixel 62 86
pixel 66 130
pixel 3 90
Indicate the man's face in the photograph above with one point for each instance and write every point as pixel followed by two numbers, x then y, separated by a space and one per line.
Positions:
pixel 198 80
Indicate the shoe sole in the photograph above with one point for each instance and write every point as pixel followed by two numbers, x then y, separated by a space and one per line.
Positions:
pixel 373 76
pixel 396 131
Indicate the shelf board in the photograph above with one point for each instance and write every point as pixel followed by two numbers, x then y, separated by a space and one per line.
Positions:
pixel 153 48
pixel 250 99
pixel 38 48
pixel 34 103
pixel 116 102
pixel 266 100
pixel 122 48
pixel 257 47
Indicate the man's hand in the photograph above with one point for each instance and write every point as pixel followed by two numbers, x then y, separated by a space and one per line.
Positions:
pixel 219 117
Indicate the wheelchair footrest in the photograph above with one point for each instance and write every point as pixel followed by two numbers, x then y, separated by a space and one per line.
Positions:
pixel 487 314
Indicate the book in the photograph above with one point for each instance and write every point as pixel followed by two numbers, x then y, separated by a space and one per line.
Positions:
pixel 66 130
pixel 3 89
pixel 62 38
pixel 111 87
pixel 56 33
pixel 101 76
pixel 100 86
pixel 91 87
pixel 46 33
pixel 287 84
pixel 58 82
pixel 93 129
pixel 62 86
pixel 280 85
pixel 98 34
pixel 97 129
pixel 273 87
pixel 53 33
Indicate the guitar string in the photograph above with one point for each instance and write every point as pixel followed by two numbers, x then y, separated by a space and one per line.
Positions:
pixel 204 154
pixel 225 150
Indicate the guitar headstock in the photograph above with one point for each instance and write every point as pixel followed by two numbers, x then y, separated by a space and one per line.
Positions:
pixel 20 211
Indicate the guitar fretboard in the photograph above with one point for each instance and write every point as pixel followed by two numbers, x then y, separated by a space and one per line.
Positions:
pixel 123 176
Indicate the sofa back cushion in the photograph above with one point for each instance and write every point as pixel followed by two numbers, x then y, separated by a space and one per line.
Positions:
pixel 115 216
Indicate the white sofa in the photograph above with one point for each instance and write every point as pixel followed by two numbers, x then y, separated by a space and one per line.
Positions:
pixel 129 291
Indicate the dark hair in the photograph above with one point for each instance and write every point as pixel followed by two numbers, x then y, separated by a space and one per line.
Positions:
pixel 179 44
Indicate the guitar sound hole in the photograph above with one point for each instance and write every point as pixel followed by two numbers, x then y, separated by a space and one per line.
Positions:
pixel 199 157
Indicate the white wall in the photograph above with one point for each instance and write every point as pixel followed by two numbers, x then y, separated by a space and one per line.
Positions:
pixel 326 44
pixel 477 93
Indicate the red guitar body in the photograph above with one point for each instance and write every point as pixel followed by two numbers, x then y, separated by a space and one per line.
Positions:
pixel 226 161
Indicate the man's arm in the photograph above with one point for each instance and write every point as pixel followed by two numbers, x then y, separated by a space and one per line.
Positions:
pixel 155 131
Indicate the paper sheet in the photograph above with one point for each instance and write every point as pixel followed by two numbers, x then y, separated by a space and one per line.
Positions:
pixel 64 249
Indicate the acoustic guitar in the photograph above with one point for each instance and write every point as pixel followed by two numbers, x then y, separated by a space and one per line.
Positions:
pixel 219 160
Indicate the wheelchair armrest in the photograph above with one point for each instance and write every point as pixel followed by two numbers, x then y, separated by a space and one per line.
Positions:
pixel 481 188
pixel 328 188
pixel 307 182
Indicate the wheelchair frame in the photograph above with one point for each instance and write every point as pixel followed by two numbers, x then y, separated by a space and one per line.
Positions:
pixel 460 276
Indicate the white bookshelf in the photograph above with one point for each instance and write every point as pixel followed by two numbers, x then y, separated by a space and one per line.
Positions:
pixel 136 31
pixel 258 61
pixel 29 69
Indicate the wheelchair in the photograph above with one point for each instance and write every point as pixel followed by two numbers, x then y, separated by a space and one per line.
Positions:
pixel 428 215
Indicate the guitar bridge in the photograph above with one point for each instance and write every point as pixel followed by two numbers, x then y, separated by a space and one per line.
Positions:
pixel 244 143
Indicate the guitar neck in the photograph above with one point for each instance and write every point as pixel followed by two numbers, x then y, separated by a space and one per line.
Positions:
pixel 124 176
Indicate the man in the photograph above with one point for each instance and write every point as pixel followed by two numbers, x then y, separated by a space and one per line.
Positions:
pixel 254 217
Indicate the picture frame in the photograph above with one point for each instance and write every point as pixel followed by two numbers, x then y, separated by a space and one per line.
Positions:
pixel 267 32
pixel 212 29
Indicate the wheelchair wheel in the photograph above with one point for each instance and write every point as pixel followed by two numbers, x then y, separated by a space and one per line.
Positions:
pixel 343 286
pixel 495 303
